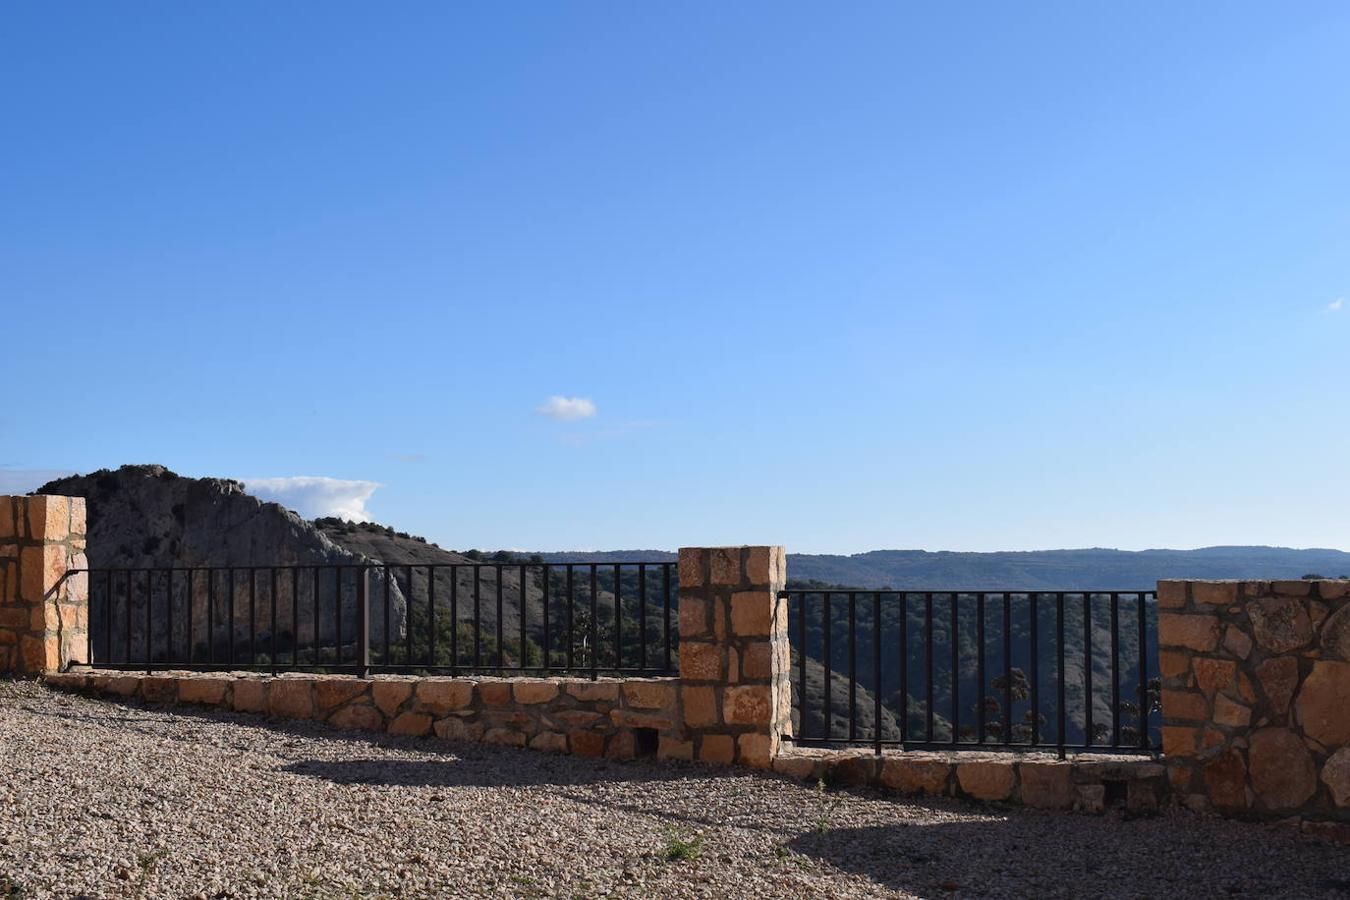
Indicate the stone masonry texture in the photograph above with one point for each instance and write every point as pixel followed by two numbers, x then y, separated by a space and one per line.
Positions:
pixel 44 611
pixel 1256 698
pixel 734 653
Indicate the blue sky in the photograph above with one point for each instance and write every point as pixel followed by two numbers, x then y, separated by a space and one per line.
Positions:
pixel 995 276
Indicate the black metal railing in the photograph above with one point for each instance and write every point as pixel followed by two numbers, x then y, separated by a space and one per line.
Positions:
pixel 996 670
pixel 595 618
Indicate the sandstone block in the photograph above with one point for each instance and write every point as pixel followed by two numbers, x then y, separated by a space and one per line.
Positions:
pixel 1279 678
pixel 290 698
pixel 747 705
pixel 457 729
pixel 1336 634
pixel 673 748
pixel 695 621
pixel 414 724
pixel 1172 664
pixel 725 564
pixel 1334 590
pixel 577 718
pixel 757 661
pixel 649 694
pixel 529 693
pixel 210 691
pixel 1047 785
pixel 1300 588
pixel 986 780
pixel 332 692
pixel 602 691
pixel 915 775
pixel 717 748
pixel 1193 632
pixel 700 661
pixel 1230 714
pixel 591 743
pixel 1225 779
pixel 700 706
pixel 621 746
pixel 752 613
pixel 1091 798
pixel 1323 701
pixel 1184 705
pixel 1179 740
pixel 1213 674
pixel 691 569
pixel 757 750
pixel 1171 594
pixel 439 697
pixel 1236 642
pixel 549 742
pixel 1336 776
pixel 357 717
pixel 250 695
pixel 504 737
pixel 802 768
pixel 390 695
pixel 1280 624
pixel 1282 769
pixel 627 718
pixel 1214 593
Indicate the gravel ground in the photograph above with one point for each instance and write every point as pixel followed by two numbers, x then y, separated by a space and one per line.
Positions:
pixel 103 800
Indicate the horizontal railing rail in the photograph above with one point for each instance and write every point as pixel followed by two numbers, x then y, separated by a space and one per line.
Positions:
pixel 419 618
pixel 976 669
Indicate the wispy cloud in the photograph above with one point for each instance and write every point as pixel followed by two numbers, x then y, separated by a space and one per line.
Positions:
pixel 1335 305
pixel 313 496
pixel 567 409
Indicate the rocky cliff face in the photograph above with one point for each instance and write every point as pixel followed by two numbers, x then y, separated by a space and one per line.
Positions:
pixel 145 517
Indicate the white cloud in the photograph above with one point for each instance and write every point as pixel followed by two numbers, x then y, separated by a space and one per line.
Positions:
pixel 567 409
pixel 313 496
pixel 1335 305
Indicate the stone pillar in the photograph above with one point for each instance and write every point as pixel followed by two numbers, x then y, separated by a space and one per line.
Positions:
pixel 1255 697
pixel 44 612
pixel 734 657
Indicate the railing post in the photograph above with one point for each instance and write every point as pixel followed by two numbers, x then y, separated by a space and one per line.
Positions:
pixel 44 606
pixel 734 657
pixel 363 620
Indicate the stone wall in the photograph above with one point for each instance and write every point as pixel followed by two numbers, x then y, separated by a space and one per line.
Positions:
pixel 1256 697
pixel 44 612
pixel 617 718
pixel 734 656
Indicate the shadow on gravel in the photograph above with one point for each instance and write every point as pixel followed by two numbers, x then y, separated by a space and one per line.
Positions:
pixel 470 766
pixel 1030 857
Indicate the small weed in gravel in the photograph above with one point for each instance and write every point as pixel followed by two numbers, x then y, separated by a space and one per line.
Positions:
pixel 679 849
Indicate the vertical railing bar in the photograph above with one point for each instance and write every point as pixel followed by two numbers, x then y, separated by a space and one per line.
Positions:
pixel 954 650
pixel 876 670
pixel 477 616
pixel 168 616
pixel 1087 669
pixel 852 666
pixel 295 616
pixel 1059 672
pixel 524 602
pixel 1143 673
pixel 928 661
pixel 408 632
pixel 252 616
pixel 1034 661
pixel 363 621
pixel 570 658
pixel 501 634
pixel 544 601
pixel 272 635
pixel 431 615
pixel 314 584
pixel 595 625
pixel 801 664
pixel 107 616
pixel 1007 669
pixel 829 665
pixel 979 667
pixel 337 616
pixel 618 616
pixel 642 616
pixel 454 618
pixel 234 576
pixel 191 644
pixel 904 667
pixel 665 588
pixel 385 657
pixel 149 620
pixel 1115 669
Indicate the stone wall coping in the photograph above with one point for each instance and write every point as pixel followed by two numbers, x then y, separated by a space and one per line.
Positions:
pixel 248 674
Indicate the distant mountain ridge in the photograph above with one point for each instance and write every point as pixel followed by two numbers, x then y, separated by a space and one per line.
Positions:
pixel 1046 570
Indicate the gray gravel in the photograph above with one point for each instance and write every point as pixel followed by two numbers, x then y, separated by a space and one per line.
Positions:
pixel 103 800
